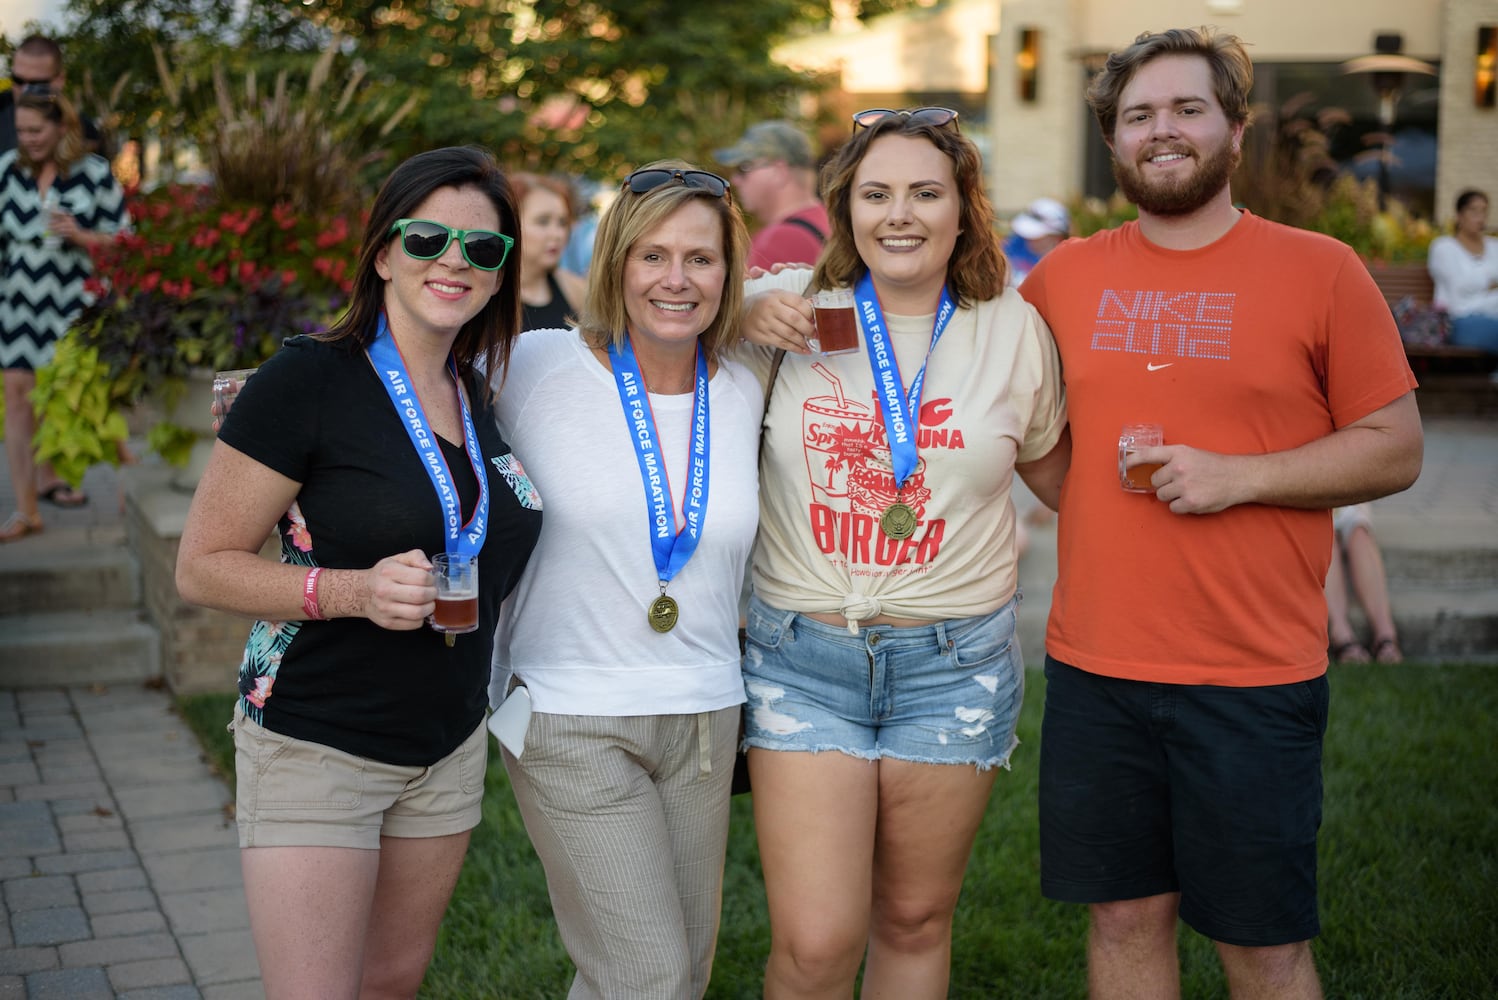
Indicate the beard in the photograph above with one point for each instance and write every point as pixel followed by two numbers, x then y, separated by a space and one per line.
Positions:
pixel 1179 197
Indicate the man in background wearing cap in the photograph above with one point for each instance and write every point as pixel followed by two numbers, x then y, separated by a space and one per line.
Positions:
pixel 1033 233
pixel 775 179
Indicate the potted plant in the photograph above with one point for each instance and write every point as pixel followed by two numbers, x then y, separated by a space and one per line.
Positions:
pixel 199 285
pixel 215 276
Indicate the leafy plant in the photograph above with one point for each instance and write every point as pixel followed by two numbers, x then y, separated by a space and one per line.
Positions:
pixel 202 283
pixel 197 284
pixel 73 393
pixel 216 276
pixel 1289 175
pixel 1351 213
pixel 1089 215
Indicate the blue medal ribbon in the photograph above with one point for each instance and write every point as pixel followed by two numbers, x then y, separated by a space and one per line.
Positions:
pixel 900 412
pixel 670 547
pixel 460 539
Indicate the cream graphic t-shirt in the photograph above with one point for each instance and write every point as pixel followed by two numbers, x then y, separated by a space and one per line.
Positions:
pixel 993 397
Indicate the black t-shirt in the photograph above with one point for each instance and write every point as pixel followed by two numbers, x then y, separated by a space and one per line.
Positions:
pixel 318 413
pixel 552 316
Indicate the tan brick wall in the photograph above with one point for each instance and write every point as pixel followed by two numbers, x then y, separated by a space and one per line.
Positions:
pixel 1036 147
pixel 1468 156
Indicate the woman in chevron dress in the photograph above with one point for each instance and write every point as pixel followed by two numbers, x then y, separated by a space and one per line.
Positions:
pixel 56 202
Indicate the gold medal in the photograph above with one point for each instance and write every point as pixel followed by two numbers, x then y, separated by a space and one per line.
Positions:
pixel 898 521
pixel 663 614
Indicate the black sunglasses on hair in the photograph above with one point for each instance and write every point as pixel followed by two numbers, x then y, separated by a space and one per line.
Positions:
pixel 936 117
pixel 651 178
pixel 426 240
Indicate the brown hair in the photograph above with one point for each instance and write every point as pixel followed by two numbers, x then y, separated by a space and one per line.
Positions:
pixel 40 46
pixel 524 183
pixel 976 270
pixel 625 222
pixel 487 338
pixel 1232 71
pixel 58 110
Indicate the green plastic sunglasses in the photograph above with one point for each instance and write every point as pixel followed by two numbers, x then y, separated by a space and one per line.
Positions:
pixel 424 239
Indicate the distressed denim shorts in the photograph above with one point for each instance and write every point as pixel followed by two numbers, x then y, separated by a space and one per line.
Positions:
pixel 945 693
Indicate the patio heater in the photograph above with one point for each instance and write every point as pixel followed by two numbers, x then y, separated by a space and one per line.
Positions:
pixel 1386 69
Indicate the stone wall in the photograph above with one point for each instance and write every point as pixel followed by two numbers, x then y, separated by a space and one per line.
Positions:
pixel 200 648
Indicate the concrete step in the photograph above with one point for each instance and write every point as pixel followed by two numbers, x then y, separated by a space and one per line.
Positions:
pixel 1422 553
pixel 85 568
pixel 77 647
pixel 1444 624
pixel 1443 588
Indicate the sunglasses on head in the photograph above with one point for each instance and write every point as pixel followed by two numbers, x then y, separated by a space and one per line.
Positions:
pixel 651 178
pixel 427 240
pixel 936 117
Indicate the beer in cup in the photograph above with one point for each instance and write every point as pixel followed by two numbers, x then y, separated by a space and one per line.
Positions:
pixel 836 321
pixel 457 579
pixel 1131 439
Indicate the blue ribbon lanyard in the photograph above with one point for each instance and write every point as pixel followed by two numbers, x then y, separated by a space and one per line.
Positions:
pixel 459 538
pixel 670 547
pixel 899 411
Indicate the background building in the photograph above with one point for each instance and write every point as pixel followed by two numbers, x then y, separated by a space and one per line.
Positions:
pixel 1017 70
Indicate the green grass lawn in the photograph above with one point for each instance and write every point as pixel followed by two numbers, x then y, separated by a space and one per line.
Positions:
pixel 1409 866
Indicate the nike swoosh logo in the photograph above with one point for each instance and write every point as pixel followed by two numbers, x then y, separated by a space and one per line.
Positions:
pixel 1155 368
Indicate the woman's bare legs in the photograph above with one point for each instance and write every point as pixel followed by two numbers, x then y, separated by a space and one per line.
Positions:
pixel 862 857
pixel 336 923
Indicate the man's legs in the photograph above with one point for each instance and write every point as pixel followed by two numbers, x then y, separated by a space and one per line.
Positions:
pixel 1219 788
pixel 1131 949
pixel 1279 972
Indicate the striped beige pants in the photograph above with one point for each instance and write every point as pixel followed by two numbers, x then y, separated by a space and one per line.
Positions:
pixel 629 816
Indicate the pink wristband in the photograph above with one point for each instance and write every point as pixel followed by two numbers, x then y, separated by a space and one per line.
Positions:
pixel 309 595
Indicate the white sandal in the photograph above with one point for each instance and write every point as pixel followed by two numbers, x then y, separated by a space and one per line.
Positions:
pixel 18 526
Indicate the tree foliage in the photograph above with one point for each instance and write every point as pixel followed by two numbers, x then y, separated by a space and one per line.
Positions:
pixel 585 86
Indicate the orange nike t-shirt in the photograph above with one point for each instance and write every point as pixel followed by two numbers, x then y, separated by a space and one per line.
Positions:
pixel 1266 339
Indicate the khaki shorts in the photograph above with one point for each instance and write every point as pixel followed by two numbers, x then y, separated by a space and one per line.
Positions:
pixel 292 793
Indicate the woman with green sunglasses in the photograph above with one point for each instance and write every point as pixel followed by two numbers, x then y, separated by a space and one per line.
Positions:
pixel 369 450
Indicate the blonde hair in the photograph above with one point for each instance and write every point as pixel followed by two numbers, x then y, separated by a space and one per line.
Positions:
pixel 58 110
pixel 627 220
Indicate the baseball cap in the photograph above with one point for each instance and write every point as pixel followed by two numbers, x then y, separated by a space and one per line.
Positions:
pixel 775 140
pixel 1042 217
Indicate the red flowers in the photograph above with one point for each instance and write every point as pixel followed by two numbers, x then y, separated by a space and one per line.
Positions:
pixel 186 242
pixel 205 283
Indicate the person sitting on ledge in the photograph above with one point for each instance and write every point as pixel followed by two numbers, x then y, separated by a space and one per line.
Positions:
pixel 1464 267
pixel 1357 569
